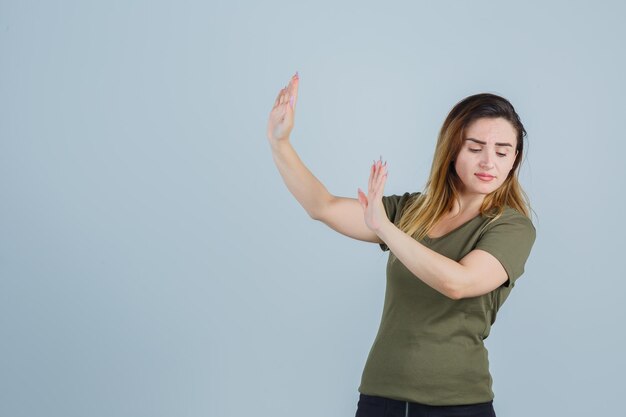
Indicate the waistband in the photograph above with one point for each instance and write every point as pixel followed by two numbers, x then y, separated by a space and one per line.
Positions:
pixel 413 408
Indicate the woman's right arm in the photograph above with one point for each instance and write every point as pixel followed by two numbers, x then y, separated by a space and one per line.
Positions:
pixel 343 215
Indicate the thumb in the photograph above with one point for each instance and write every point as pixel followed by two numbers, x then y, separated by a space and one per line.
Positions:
pixel 362 199
pixel 289 108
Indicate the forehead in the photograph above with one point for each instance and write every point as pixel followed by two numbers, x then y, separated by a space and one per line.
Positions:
pixel 491 130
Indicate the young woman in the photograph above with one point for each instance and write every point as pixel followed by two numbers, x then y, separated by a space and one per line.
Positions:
pixel 456 250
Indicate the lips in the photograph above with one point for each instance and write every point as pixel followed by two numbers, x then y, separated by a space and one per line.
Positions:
pixel 485 177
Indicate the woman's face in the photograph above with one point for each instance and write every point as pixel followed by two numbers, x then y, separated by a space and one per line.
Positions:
pixel 486 156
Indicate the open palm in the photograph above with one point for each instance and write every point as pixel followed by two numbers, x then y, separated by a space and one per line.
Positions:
pixel 281 117
pixel 372 203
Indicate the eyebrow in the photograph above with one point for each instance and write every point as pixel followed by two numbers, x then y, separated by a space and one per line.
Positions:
pixel 484 143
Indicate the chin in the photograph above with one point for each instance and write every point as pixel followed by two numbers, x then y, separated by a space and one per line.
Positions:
pixel 485 190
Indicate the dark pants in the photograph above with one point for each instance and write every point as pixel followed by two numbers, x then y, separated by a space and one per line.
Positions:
pixel 372 406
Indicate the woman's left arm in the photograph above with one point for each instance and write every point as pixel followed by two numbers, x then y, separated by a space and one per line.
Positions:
pixel 478 273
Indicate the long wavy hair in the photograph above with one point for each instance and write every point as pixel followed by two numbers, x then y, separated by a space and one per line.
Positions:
pixel 442 188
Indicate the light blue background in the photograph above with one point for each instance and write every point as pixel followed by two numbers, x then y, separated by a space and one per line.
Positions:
pixel 152 262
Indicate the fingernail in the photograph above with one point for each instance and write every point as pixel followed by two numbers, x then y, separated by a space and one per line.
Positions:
pixel 296 76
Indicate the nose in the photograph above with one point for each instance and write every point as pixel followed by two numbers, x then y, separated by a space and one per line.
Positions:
pixel 486 160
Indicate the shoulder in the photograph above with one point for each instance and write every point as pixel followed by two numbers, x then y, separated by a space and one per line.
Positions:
pixel 403 196
pixel 395 203
pixel 511 223
pixel 511 215
pixel 509 238
pixel 399 200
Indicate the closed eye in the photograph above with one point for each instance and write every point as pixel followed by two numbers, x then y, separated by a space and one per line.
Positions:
pixel 500 154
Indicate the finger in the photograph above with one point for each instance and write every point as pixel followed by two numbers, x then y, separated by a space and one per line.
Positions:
pixel 371 179
pixel 382 173
pixel 380 186
pixel 376 173
pixel 293 92
pixel 277 101
pixel 280 95
pixel 381 179
pixel 289 90
pixel 287 106
pixel 294 89
pixel 382 170
pixel 292 102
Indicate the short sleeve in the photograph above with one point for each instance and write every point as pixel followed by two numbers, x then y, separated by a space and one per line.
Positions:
pixel 393 207
pixel 510 240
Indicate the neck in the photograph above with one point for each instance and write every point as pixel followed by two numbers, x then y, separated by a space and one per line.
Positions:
pixel 467 205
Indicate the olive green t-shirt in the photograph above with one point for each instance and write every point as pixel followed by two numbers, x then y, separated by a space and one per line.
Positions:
pixel 429 348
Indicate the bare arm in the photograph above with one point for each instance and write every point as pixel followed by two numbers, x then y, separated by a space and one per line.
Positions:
pixel 341 214
pixel 476 274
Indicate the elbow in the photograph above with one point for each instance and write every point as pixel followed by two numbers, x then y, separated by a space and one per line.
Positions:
pixel 315 215
pixel 454 295
pixel 453 292
pixel 457 285
pixel 319 211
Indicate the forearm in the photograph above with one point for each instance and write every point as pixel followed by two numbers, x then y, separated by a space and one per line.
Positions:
pixel 307 189
pixel 437 271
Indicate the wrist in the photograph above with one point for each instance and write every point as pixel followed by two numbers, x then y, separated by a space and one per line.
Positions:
pixel 278 144
pixel 383 230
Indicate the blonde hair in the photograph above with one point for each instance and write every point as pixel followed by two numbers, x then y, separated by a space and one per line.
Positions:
pixel 442 188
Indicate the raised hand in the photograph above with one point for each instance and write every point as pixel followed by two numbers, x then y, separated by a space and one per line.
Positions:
pixel 372 203
pixel 281 117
